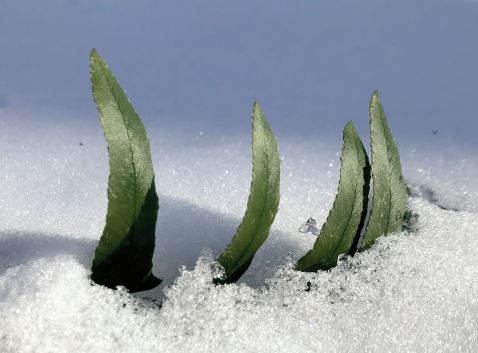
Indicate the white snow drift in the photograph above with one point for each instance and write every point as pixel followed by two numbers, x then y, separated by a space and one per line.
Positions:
pixel 415 292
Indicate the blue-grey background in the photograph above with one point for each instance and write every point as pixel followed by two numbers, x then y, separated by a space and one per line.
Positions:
pixel 200 64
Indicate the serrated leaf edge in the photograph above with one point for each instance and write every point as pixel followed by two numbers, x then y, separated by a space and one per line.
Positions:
pixel 356 187
pixel 261 124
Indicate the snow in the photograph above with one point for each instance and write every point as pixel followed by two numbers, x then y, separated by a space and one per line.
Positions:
pixel 313 67
pixel 415 292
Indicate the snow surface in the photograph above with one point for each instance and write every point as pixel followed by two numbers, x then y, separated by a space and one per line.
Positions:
pixel 192 71
pixel 414 293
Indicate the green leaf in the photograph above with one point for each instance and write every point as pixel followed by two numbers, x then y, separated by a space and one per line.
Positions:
pixel 389 188
pixel 124 253
pixel 340 233
pixel 262 205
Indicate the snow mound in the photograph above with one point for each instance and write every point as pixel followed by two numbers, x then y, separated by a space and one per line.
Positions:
pixel 410 292
pixel 414 293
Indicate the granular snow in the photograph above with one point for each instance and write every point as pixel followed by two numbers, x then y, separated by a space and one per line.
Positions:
pixel 410 292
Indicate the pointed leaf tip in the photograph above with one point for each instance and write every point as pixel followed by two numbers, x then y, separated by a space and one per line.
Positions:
pixel 349 128
pixel 94 57
pixel 256 111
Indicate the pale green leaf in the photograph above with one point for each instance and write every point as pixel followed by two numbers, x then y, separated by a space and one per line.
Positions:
pixel 340 233
pixel 389 188
pixel 124 253
pixel 263 201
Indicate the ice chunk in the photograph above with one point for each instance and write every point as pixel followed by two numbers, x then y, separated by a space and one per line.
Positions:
pixel 310 227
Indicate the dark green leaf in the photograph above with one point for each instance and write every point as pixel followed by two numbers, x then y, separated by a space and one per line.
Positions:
pixel 263 201
pixel 389 188
pixel 348 213
pixel 124 253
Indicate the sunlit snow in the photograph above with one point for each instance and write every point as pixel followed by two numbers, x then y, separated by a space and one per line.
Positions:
pixel 410 292
pixel 192 70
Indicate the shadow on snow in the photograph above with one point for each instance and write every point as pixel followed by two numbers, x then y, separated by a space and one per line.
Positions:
pixel 184 231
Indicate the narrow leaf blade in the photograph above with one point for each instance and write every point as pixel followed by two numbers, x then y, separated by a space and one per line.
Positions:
pixel 348 213
pixel 262 205
pixel 389 188
pixel 124 253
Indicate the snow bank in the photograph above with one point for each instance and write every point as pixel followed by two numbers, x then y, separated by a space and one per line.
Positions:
pixel 415 293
